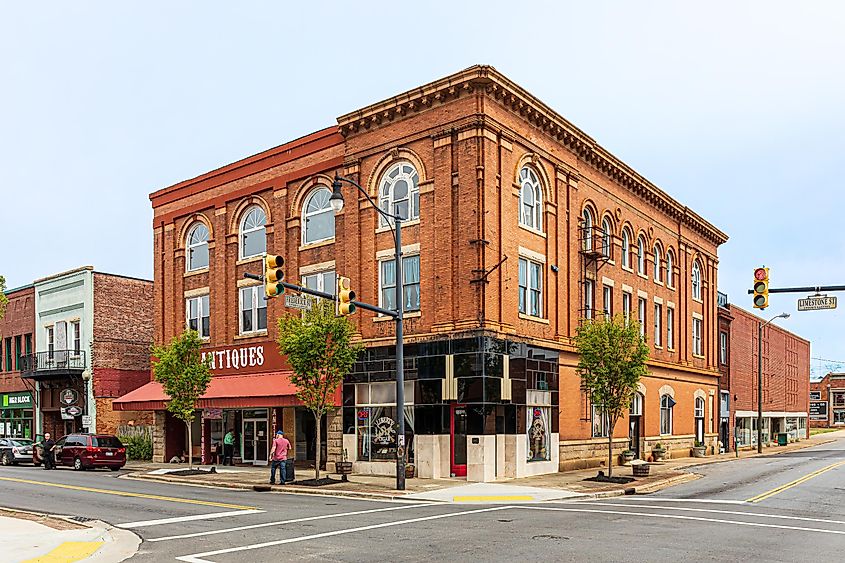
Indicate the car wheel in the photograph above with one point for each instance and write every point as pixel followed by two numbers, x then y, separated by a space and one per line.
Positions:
pixel 77 464
pixel 5 460
pixel 114 468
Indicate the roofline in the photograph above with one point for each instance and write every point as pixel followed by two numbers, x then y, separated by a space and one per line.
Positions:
pixel 777 327
pixel 9 292
pixel 62 274
pixel 122 276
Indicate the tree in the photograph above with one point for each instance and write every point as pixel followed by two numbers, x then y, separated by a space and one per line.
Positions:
pixel 613 357
pixel 3 299
pixel 319 349
pixel 185 376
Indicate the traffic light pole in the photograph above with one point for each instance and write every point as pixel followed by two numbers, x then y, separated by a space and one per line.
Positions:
pixel 807 289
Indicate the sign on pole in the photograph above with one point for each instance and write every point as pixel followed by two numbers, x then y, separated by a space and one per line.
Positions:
pixel 817 303
pixel 818 410
pixel 298 302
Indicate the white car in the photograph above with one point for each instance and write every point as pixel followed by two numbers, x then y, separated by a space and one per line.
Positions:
pixel 15 450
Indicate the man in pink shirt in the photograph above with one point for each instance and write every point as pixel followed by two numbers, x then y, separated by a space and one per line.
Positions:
pixel 279 457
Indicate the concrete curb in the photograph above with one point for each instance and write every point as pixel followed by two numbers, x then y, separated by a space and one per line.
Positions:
pixel 652 487
pixel 793 448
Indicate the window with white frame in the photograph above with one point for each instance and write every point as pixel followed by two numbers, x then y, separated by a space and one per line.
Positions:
pixel 658 264
pixel 530 199
pixel 636 408
pixel 641 269
pixel 696 337
pixel 601 425
pixel 670 277
pixel 399 193
pixel 696 280
pixel 197 315
pixel 607 292
pixel 530 287
pixel 411 283
pixel 670 328
pixel 253 309
pixel 321 281
pixel 723 347
pixel 253 238
pixel 626 306
pixel 626 248
pixel 587 229
pixel 666 405
pixel 641 305
pixel 658 327
pixel 699 407
pixel 197 247
pixel 76 335
pixel 606 238
pixel 589 298
pixel 317 217
pixel 51 342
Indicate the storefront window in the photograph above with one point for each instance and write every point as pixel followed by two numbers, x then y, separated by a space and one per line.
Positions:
pixel 538 433
pixel 376 421
pixel 839 416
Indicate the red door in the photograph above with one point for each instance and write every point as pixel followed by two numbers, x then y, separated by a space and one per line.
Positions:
pixel 458 434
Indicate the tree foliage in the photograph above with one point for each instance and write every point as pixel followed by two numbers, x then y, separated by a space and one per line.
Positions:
pixel 613 358
pixel 3 299
pixel 184 375
pixel 319 348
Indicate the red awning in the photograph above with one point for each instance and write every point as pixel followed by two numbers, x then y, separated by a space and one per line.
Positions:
pixel 224 391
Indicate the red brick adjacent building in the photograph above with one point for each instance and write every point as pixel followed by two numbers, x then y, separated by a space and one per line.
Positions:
pixel 519 226
pixel 786 379
pixel 827 401
pixel 16 341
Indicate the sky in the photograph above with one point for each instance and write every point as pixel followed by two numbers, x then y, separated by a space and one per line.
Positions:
pixel 733 108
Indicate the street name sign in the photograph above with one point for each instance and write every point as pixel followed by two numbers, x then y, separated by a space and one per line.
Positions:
pixel 817 303
pixel 299 302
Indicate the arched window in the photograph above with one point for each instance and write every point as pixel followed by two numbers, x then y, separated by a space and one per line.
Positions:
pixel 587 229
pixel 658 266
pixel 666 404
pixel 253 237
pixel 317 217
pixel 197 247
pixel 670 276
pixel 641 256
pixel 606 237
pixel 626 248
pixel 636 408
pixel 696 280
pixel 699 407
pixel 530 200
pixel 399 193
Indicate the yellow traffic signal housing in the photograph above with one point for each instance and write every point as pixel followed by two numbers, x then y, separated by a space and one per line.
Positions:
pixel 761 288
pixel 273 275
pixel 345 297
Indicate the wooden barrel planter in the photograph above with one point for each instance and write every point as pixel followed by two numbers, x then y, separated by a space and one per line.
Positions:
pixel 343 468
pixel 640 469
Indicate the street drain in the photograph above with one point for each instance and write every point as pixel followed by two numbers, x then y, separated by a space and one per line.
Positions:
pixel 80 519
pixel 549 537
pixel 505 521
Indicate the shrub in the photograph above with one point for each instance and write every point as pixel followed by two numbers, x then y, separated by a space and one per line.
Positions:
pixel 138 448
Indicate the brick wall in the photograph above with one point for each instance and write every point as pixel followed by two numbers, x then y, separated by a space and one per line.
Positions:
pixel 18 321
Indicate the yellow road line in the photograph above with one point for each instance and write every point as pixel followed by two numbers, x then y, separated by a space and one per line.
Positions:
pixel 482 498
pixel 128 494
pixel 68 552
pixel 796 482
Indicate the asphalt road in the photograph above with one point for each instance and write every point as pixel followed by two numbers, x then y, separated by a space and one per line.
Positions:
pixel 787 507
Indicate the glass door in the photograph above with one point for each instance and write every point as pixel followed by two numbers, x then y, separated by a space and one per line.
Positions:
pixel 255 441
pixel 248 445
pixel 634 435
pixel 459 441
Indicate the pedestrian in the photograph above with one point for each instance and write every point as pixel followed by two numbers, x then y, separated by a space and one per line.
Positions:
pixel 48 455
pixel 229 447
pixel 279 458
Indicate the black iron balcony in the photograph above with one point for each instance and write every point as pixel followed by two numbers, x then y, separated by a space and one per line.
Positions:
pixel 51 364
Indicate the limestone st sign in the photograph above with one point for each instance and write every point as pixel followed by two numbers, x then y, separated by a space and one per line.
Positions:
pixel 817 303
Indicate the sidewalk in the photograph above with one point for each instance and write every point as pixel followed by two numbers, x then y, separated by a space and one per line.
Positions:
pixel 34 538
pixel 571 483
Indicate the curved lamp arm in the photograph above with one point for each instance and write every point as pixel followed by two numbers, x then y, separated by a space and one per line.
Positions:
pixel 336 200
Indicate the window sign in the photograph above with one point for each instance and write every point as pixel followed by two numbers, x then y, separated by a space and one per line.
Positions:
pixel 538 433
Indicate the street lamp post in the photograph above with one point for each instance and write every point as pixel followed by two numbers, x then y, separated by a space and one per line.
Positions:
pixel 336 202
pixel 760 326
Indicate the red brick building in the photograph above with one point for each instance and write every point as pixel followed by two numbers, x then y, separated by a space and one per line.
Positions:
pixel 519 226
pixel 786 379
pixel 827 401
pixel 16 341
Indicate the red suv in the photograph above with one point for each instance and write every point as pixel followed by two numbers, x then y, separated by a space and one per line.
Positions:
pixel 84 451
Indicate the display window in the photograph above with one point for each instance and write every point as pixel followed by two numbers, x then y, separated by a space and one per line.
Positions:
pixel 538 433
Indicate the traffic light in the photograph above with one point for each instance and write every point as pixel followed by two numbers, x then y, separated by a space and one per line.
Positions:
pixel 273 275
pixel 345 297
pixel 761 288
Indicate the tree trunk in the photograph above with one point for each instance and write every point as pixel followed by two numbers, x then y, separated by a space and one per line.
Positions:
pixel 318 448
pixel 190 448
pixel 610 451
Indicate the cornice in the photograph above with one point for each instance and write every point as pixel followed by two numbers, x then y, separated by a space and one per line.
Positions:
pixel 486 79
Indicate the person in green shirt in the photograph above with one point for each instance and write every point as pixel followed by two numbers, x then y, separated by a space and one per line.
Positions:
pixel 229 447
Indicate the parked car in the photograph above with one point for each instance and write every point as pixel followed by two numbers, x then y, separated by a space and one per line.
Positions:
pixel 86 451
pixel 15 450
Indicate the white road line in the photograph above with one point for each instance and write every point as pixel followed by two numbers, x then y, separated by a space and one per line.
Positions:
pixel 737 512
pixel 694 500
pixel 293 521
pixel 145 523
pixel 200 557
pixel 679 517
